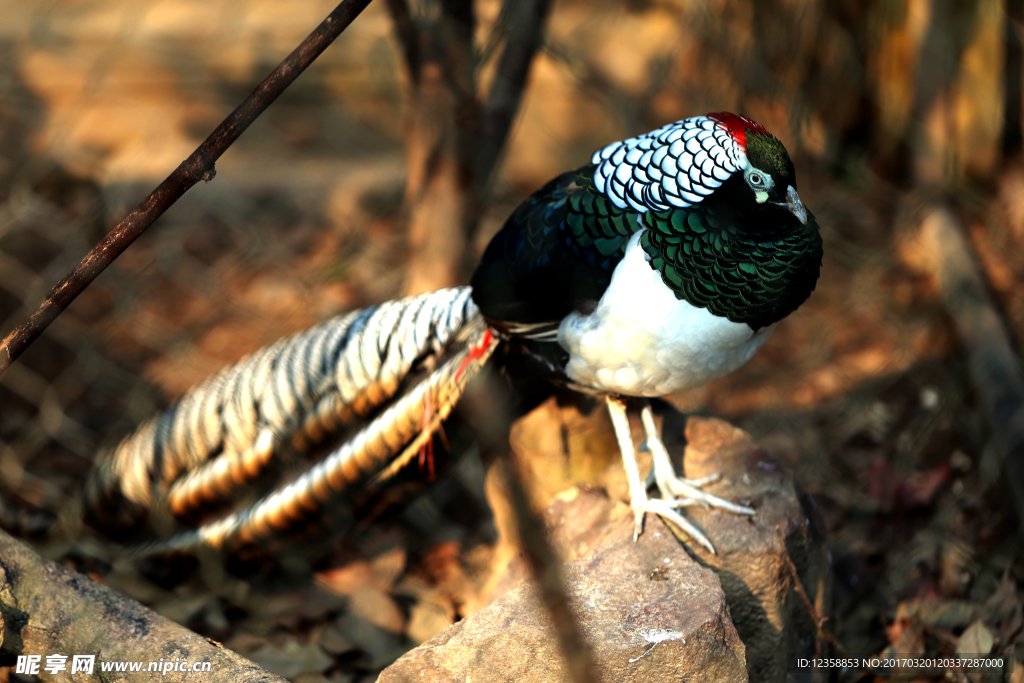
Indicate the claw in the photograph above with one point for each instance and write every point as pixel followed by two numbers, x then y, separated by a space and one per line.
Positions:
pixel 671 485
pixel 682 488
pixel 664 509
pixel 676 492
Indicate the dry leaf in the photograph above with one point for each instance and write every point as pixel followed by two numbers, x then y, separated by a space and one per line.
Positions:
pixel 976 640
pixel 292 659
pixel 906 634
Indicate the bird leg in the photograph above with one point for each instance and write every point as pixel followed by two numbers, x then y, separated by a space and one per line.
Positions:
pixel 681 492
pixel 638 500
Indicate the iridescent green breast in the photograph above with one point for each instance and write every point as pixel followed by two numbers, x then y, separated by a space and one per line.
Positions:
pixel 754 266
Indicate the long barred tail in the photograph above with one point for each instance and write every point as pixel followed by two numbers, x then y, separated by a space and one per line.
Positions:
pixel 340 377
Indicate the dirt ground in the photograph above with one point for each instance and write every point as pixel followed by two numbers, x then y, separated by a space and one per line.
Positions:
pixel 864 391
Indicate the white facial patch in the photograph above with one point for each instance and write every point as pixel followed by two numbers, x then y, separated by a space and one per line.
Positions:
pixel 759 181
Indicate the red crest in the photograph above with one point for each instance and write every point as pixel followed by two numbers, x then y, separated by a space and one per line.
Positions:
pixel 737 126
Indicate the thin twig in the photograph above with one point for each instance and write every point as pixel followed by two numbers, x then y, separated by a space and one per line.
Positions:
pixel 996 372
pixel 798 586
pixel 591 80
pixel 1013 74
pixel 489 407
pixel 547 571
pixel 525 31
pixel 456 53
pixel 198 166
pixel 408 37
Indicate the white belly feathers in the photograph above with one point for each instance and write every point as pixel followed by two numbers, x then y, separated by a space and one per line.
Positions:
pixel 642 341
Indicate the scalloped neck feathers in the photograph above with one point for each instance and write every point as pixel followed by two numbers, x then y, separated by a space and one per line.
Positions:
pixel 675 166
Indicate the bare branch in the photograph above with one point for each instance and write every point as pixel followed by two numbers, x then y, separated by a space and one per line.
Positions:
pixel 525 31
pixel 798 586
pixel 198 166
pixel 456 53
pixel 995 371
pixel 490 406
pixel 441 144
pixel 1013 73
pixel 550 576
pixel 408 37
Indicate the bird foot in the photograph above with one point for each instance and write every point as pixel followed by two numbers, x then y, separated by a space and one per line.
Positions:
pixel 667 511
pixel 678 491
pixel 682 492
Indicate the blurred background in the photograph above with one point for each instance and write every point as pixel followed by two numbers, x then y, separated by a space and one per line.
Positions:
pixel 385 169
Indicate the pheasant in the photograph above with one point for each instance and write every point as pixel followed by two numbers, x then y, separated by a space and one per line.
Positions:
pixel 662 264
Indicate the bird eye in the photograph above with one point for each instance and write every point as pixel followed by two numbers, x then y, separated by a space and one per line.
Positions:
pixel 756 179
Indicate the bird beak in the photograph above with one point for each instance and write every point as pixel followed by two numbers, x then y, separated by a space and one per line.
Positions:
pixel 794 204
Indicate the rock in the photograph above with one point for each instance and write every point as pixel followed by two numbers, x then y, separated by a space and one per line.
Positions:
pixel 628 599
pixel 754 554
pixel 649 612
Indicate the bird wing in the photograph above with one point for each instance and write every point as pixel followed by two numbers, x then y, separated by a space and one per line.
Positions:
pixel 553 256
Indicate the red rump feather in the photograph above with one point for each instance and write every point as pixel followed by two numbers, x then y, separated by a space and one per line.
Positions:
pixel 737 126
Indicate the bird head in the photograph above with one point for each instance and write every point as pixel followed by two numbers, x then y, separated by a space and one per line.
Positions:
pixel 681 164
pixel 768 171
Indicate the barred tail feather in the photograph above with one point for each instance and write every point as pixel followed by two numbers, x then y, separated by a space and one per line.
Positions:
pixel 369 455
pixel 281 399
